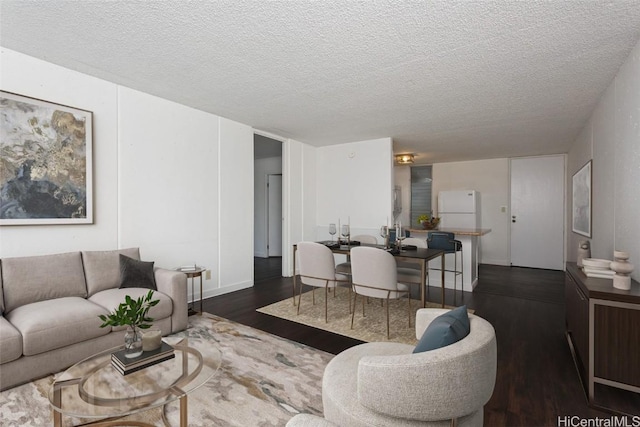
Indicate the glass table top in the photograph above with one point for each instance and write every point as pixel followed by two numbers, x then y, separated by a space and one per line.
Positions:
pixel 93 388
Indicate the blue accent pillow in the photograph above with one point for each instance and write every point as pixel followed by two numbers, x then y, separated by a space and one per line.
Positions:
pixel 444 330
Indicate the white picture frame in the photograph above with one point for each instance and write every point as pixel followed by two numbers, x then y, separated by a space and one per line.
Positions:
pixel 581 201
pixel 47 162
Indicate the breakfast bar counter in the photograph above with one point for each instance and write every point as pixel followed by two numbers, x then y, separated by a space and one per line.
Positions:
pixel 469 237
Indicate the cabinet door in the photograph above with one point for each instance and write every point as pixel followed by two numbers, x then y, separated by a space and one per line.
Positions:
pixel 577 316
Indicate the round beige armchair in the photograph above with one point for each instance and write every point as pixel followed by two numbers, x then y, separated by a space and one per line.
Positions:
pixel 384 383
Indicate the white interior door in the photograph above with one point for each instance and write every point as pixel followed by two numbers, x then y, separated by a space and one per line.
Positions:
pixel 537 212
pixel 274 213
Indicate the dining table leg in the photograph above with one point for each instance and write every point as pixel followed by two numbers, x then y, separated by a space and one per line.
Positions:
pixel 423 282
pixel 442 276
pixel 294 275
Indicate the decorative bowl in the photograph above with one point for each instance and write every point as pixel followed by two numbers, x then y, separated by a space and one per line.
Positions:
pixel 431 224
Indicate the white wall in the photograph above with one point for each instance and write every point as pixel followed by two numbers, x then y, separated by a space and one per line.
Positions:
pixel 611 139
pixel 166 178
pixel 263 168
pixel 167 187
pixel 235 205
pixel 298 198
pixel 355 181
pixel 28 76
pixel 491 179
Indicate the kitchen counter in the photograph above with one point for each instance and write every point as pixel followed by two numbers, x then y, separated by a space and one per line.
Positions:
pixel 456 231
pixel 469 237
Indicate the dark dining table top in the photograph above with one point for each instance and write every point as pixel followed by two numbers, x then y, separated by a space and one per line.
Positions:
pixel 409 252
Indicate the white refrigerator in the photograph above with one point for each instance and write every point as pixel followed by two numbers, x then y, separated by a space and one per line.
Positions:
pixel 459 209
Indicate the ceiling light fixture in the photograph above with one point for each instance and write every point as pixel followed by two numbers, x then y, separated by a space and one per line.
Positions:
pixel 404 159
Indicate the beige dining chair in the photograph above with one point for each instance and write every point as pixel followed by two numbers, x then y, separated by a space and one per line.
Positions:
pixel 374 275
pixel 318 269
pixel 345 267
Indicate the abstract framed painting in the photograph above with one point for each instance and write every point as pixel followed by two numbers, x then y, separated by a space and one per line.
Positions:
pixel 581 223
pixel 45 162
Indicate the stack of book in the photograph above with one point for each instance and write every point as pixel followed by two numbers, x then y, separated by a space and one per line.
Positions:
pixel 127 366
pixel 602 274
pixel 597 268
pixel 188 268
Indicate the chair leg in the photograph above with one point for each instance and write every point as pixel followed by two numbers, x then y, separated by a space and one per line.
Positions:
pixel 455 275
pixel 387 317
pixel 293 285
pixel 409 310
pixel 462 273
pixel 326 298
pixel 353 313
pixel 427 285
pixel 299 298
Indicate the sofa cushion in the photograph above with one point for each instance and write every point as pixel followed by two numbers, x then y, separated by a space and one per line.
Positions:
pixel 112 298
pixel 102 268
pixel 136 274
pixel 444 330
pixel 57 323
pixel 26 280
pixel 10 342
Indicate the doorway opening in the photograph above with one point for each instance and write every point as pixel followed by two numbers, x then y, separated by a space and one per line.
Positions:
pixel 267 208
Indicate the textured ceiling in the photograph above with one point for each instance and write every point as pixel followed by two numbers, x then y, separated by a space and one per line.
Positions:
pixel 447 80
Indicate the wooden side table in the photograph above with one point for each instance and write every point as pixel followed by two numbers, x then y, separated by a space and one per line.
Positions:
pixel 192 273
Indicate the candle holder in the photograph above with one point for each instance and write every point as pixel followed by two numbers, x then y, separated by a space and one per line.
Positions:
pixel 623 269
pixel 151 339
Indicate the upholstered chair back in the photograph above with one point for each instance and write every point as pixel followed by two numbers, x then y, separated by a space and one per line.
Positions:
pixel 316 263
pixel 374 268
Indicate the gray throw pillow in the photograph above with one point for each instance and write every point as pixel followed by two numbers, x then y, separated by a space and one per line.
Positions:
pixel 445 330
pixel 136 274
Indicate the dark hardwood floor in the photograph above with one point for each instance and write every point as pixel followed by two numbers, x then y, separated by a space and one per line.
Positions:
pixel 266 268
pixel 536 379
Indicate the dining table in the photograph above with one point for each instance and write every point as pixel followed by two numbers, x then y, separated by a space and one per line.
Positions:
pixel 420 256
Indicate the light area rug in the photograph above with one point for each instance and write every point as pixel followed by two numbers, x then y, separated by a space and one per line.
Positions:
pixel 264 380
pixel 371 327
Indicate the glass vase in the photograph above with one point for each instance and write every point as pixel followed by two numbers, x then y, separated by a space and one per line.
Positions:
pixel 132 342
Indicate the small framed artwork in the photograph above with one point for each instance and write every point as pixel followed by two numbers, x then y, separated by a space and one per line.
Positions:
pixel 46 171
pixel 581 223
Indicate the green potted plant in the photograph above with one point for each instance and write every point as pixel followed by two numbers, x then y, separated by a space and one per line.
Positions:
pixel 131 313
pixel 428 221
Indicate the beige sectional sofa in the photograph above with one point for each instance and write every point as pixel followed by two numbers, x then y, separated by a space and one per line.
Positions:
pixel 49 307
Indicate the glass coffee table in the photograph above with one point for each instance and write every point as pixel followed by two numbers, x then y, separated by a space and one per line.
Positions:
pixel 93 389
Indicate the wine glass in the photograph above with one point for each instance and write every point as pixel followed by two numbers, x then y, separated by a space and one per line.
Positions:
pixel 332 230
pixel 400 235
pixel 345 232
pixel 384 233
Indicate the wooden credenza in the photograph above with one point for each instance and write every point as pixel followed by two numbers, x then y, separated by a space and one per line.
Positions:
pixel 603 330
